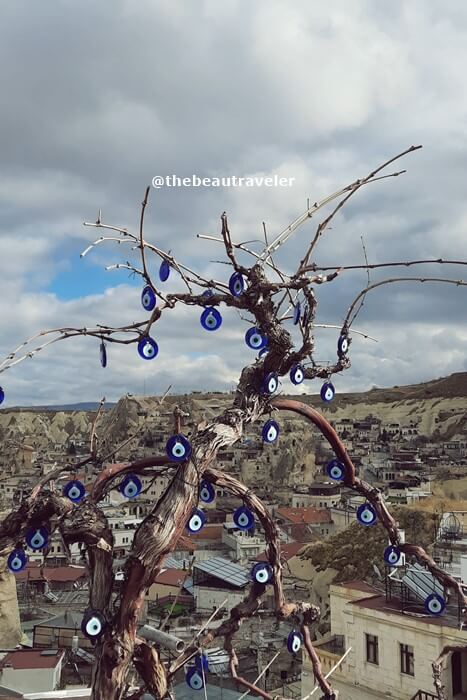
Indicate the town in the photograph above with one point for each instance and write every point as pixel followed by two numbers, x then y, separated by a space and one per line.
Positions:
pixel 374 633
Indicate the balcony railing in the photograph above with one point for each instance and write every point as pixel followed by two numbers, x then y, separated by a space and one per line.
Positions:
pixel 424 695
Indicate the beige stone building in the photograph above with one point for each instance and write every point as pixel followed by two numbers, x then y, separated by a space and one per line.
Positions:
pixel 391 648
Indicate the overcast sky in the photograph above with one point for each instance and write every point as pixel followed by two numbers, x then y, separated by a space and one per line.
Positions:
pixel 97 98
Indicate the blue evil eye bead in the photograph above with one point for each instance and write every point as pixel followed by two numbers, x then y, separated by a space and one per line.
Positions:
pixel 147 348
pixel 296 313
pixel 261 573
pixel 2 395
pixel 131 486
pixel 327 392
pixel 297 374
pixel 148 298
pixel 255 339
pixel 335 470
pixel 392 555
pixel 206 492
pixel 93 624
pixel 236 284
pixel 435 604
pixel 270 383
pixel 342 345
pixel 208 293
pixel 366 514
pixel 74 490
pixel 263 351
pixel 103 354
pixel 196 522
pixel 294 642
pixel 17 560
pixel 178 448
pixel 194 679
pixel 244 518
pixel 270 431
pixel 211 319
pixel 37 538
pixel 202 663
pixel 164 271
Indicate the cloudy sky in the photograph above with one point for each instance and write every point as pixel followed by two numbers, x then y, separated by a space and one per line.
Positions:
pixel 97 98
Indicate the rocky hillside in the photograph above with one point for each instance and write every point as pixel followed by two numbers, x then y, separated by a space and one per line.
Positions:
pixel 438 408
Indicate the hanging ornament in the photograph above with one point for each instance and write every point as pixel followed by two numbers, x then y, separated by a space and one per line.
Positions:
pixel 236 284
pixel 148 298
pixel 147 348
pixel 196 521
pixel 178 448
pixel 262 573
pixel 164 271
pixel 211 319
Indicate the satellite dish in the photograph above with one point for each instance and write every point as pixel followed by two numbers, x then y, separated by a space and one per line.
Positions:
pixel 377 572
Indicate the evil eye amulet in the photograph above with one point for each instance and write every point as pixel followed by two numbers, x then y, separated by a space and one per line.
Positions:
pixel 194 679
pixel 297 374
pixel 335 470
pixel 342 345
pixel 196 521
pixel 366 514
pixel 211 319
pixel 270 383
pixel 296 313
pixel 93 624
pixel 74 490
pixel 131 486
pixel 294 642
pixel 327 392
pixel 270 431
pixel 392 555
pixel 255 339
pixel 434 604
pixel 148 298
pixel 147 348
pixel 202 663
pixel 164 271
pixel 244 518
pixel 261 573
pixel 103 354
pixel 178 448
pixel 206 492
pixel 37 538
pixel 236 284
pixel 17 560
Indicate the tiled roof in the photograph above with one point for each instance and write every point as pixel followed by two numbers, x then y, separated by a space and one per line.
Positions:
pixel 31 658
pixel 309 516
pixel 53 574
pixel 171 577
pixel 299 533
pixel 287 551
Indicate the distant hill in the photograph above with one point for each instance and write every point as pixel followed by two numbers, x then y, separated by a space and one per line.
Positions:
pixel 83 406
pixel 453 386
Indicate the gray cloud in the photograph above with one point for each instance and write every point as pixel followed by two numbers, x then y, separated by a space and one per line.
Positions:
pixel 98 98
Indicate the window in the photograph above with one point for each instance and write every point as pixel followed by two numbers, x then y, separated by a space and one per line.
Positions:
pixel 407 659
pixel 372 649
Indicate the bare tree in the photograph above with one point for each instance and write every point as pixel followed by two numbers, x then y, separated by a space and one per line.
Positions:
pixel 273 300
